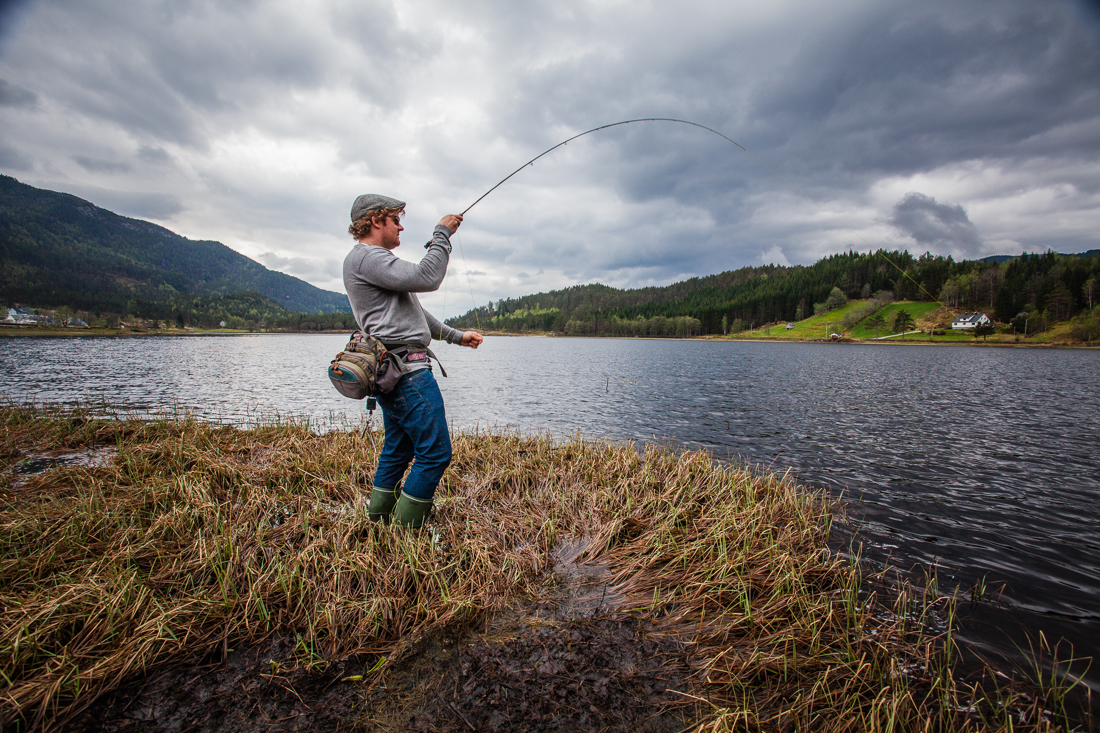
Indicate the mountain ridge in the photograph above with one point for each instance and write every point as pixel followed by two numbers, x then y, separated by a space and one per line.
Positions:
pixel 58 249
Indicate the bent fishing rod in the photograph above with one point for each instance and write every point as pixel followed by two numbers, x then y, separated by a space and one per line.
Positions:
pixel 719 134
pixel 589 132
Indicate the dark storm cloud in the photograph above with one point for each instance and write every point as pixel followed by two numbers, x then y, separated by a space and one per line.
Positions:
pixel 902 94
pixel 184 66
pixel 877 92
pixel 13 13
pixel 886 90
pixel 943 228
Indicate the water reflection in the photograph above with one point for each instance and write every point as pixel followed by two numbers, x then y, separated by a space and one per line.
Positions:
pixel 980 462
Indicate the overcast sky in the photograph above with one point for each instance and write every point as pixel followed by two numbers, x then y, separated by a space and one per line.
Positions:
pixel 961 128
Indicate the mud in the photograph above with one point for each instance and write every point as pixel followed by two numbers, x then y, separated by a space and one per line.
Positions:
pixel 569 660
pixel 584 675
pixel 254 689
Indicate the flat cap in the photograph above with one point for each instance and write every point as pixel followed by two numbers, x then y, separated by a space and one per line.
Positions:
pixel 369 202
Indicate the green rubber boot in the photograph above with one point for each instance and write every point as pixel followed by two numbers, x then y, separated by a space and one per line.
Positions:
pixel 382 502
pixel 411 512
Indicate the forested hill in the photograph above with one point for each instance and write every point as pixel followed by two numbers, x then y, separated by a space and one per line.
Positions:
pixel 59 250
pixel 1054 284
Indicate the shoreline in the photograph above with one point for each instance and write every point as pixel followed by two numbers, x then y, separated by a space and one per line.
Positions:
pixel 525 529
pixel 17 332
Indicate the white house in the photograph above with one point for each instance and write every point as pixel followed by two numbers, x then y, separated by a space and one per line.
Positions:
pixel 970 320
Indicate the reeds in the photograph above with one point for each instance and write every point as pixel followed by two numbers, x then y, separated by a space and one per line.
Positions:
pixel 198 538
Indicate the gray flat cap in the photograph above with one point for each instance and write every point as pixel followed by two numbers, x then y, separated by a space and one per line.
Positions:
pixel 369 202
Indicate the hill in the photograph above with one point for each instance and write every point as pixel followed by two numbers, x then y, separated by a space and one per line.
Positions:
pixel 60 250
pixel 1048 287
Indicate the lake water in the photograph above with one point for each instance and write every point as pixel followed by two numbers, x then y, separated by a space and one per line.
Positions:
pixel 978 462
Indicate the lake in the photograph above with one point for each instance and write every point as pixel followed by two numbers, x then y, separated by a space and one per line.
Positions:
pixel 977 462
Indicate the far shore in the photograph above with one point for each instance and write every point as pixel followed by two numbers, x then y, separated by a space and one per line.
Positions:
pixel 917 340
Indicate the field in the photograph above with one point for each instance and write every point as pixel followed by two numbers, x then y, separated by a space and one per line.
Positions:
pixel 815 327
pixel 923 313
pixel 177 574
pixel 820 327
pixel 926 315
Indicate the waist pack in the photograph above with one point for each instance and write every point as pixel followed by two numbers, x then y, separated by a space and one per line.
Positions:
pixel 367 367
pixel 364 368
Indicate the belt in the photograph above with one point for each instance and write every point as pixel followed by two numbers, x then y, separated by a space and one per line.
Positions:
pixel 406 352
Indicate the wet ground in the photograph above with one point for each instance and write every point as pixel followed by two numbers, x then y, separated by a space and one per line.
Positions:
pixel 567 661
pixel 32 464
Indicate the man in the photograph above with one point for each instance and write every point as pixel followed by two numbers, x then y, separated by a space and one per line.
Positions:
pixel 382 290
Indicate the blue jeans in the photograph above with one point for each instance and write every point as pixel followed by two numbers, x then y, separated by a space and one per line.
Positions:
pixel 416 427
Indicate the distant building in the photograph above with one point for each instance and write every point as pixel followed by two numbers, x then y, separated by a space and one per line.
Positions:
pixel 790 326
pixel 22 317
pixel 970 320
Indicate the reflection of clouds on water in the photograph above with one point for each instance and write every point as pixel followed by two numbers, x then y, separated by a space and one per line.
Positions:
pixel 981 462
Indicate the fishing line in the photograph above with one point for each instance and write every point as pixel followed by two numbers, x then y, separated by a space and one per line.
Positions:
pixel 740 147
pixel 443 314
pixel 469 282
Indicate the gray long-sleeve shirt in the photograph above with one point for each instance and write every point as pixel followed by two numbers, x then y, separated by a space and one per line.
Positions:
pixel 382 290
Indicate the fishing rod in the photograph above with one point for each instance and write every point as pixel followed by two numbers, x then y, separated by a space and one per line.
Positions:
pixel 719 134
pixel 597 129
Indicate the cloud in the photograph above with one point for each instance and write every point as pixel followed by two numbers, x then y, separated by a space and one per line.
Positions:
pixel 14 160
pixel 16 96
pixel 309 269
pixel 774 256
pixel 257 124
pixel 13 14
pixel 943 228
pixel 135 204
pixel 97 165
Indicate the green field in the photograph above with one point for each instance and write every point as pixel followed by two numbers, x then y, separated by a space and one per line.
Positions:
pixel 815 327
pixel 819 327
pixel 916 310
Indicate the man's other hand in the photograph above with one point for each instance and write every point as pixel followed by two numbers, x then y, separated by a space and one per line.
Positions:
pixel 451 221
pixel 472 339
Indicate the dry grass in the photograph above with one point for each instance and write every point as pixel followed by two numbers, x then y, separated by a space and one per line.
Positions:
pixel 197 538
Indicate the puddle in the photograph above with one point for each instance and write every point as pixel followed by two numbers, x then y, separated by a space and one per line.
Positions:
pixel 584 587
pixel 34 464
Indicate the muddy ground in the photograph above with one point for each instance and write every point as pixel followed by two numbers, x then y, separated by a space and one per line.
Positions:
pixel 567 661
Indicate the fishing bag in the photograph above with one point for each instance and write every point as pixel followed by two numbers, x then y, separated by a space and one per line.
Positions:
pixel 364 368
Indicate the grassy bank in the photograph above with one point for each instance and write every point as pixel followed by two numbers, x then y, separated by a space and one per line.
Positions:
pixel 186 544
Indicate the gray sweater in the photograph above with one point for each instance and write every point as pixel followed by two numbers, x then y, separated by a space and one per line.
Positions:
pixel 381 288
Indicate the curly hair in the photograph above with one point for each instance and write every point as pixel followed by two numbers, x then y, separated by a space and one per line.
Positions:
pixel 360 228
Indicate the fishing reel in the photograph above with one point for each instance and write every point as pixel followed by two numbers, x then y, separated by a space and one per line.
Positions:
pixel 371 404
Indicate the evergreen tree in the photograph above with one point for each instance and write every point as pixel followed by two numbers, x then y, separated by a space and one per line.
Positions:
pixel 876 322
pixel 903 322
pixel 983 330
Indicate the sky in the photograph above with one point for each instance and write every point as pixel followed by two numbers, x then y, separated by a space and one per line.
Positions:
pixel 957 128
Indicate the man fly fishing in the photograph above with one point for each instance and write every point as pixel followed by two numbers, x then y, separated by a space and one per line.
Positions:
pixel 382 291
